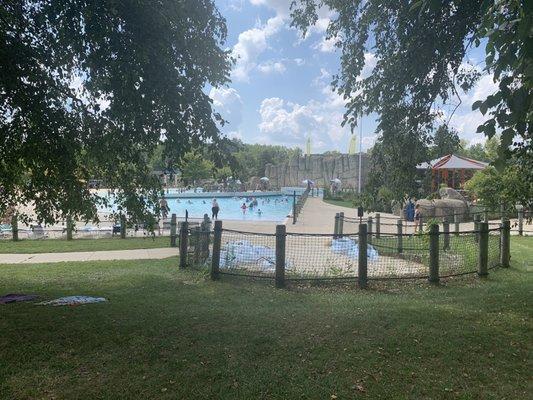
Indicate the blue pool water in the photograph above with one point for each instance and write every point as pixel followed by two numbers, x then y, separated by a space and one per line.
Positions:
pixel 273 208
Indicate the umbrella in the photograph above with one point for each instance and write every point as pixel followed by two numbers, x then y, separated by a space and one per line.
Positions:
pixel 308 181
pixel 336 180
pixel 264 179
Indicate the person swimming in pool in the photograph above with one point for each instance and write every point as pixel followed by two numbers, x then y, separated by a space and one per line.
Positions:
pixel 259 212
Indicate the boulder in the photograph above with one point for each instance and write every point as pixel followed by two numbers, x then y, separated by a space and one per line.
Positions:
pixel 426 207
pixel 449 193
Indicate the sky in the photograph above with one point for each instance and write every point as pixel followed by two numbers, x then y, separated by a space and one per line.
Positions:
pixel 280 90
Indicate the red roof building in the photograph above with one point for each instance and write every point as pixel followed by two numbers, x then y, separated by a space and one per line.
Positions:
pixel 452 170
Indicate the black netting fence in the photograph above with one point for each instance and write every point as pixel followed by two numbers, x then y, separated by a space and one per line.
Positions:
pixel 290 256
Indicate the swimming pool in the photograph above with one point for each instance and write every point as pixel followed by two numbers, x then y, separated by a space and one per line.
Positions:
pixel 269 208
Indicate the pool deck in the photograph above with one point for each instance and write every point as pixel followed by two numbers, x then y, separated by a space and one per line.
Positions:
pixel 317 216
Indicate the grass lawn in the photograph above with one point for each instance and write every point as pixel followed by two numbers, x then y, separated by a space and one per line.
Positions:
pixel 169 334
pixel 62 245
pixel 341 203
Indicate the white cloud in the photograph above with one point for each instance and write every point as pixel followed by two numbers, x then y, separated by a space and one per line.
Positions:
pixel 251 43
pixel 299 61
pixel 282 7
pixel 465 120
pixel 228 103
pixel 326 45
pixel 270 67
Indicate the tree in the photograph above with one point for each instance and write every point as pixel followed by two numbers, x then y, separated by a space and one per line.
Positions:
pixel 419 47
pixel 89 89
pixel 195 166
pixel 446 141
pixel 492 187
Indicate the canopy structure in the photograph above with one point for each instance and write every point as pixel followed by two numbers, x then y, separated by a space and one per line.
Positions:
pixel 451 170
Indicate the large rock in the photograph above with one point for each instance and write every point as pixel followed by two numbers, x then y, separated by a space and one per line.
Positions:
pixel 449 193
pixel 439 208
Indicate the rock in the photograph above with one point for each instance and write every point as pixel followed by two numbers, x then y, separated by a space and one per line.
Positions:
pixel 320 169
pixel 449 193
pixel 426 207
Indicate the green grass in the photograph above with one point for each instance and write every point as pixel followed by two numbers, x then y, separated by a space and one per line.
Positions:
pixel 171 334
pixel 62 245
pixel 341 203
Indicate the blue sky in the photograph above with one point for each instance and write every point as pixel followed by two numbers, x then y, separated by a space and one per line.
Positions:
pixel 280 90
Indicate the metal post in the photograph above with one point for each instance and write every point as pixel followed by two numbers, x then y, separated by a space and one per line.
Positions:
pixel 69 227
pixel 15 227
pixel 399 225
pixel 502 212
pixel 378 228
pixel 294 207
pixel 521 222
pixel 281 236
pixel 173 227
pixel 420 224
pixel 446 231
pixel 483 257
pixel 485 215
pixel 341 224
pixel 217 244
pixel 122 226
pixel 457 226
pixel 369 230
pixel 336 226
pixel 184 245
pixel 505 248
pixel 434 254
pixel 362 274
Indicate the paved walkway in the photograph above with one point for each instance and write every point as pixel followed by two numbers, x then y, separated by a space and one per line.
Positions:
pixel 137 254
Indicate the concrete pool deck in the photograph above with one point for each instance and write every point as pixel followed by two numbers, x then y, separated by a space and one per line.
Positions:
pixel 317 216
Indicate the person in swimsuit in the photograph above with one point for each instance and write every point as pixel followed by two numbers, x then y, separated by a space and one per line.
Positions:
pixel 215 209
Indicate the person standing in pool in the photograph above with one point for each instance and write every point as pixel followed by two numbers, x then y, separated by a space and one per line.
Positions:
pixel 215 209
pixel 164 207
pixel 243 208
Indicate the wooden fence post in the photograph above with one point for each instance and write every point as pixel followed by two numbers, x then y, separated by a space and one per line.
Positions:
pixel 483 257
pixel 69 227
pixel 446 231
pixel 434 254
pixel 184 244
pixel 15 227
pixel 378 225
pixel 122 226
pixel 370 230
pixel 173 230
pixel 341 224
pixel 505 245
pixel 362 266
pixel 217 244
pixel 281 236
pixel 399 227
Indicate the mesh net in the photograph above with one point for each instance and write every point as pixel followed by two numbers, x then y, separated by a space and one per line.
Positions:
pixel 326 257
pixel 248 254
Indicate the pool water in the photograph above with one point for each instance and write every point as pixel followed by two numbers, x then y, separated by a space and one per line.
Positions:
pixel 269 208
